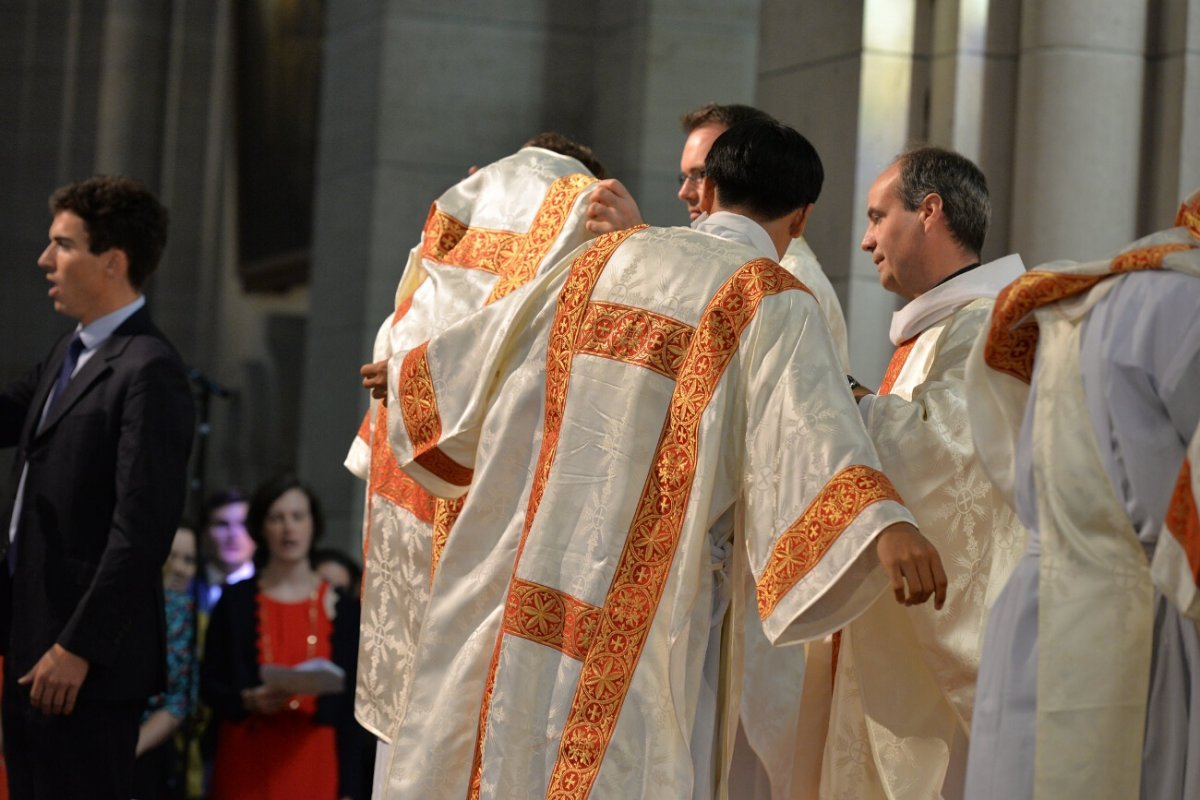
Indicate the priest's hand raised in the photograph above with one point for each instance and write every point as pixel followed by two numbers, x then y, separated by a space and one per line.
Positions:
pixel 612 208
pixel 908 558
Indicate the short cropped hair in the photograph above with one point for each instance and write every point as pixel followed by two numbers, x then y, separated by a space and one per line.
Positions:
pixel 219 499
pixel 260 505
pixel 556 142
pixel 961 185
pixel 118 212
pixel 764 167
pixel 725 116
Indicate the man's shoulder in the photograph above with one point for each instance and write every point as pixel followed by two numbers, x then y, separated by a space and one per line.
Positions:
pixel 693 244
pixel 142 341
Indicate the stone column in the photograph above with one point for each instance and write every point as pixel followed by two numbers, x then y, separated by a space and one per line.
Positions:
pixel 655 61
pixel 133 79
pixel 972 94
pixel 843 75
pixel 1079 127
pixel 1171 157
pixel 412 96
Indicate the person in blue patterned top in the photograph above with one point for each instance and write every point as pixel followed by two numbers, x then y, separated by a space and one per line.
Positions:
pixel 158 771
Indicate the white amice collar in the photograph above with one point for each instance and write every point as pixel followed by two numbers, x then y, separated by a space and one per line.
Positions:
pixel 943 300
pixel 737 228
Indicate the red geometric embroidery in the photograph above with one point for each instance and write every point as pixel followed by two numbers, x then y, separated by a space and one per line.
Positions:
pixel 1012 339
pixel 564 334
pixel 1182 519
pixel 645 562
pixel 807 539
pixel 550 617
pixel 635 336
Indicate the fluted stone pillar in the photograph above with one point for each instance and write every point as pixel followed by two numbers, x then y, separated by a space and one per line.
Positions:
pixel 842 73
pixel 972 94
pixel 653 62
pixel 1079 127
pixel 133 79
pixel 1170 149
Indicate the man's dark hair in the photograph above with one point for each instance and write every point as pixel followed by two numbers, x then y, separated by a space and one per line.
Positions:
pixel 961 185
pixel 260 505
pixel 764 167
pixel 118 212
pixel 549 140
pixel 726 116
pixel 219 499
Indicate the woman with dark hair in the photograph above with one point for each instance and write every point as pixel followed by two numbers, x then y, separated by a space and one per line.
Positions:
pixel 271 744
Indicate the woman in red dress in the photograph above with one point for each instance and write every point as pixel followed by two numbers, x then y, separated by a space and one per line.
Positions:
pixel 272 745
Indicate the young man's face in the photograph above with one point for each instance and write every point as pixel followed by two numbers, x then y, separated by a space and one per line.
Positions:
pixel 691 164
pixel 80 279
pixel 231 542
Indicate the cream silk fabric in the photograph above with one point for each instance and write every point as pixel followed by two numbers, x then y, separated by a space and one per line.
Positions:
pixel 484 238
pixel 801 261
pixel 615 421
pixel 1095 595
pixel 906 677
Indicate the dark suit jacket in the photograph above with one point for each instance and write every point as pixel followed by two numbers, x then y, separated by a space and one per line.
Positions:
pixel 103 497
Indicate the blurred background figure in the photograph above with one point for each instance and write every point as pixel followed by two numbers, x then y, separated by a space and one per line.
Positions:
pixel 159 770
pixel 271 744
pixel 338 570
pixel 228 547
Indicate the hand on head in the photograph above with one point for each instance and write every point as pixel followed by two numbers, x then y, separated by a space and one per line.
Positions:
pixel 612 208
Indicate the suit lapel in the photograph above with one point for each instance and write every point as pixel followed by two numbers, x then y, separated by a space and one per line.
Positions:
pixel 45 384
pixel 96 369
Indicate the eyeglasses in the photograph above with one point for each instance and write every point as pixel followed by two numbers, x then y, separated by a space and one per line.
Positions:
pixel 691 177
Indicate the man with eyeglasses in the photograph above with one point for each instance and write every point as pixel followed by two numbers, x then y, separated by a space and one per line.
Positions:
pixel 613 208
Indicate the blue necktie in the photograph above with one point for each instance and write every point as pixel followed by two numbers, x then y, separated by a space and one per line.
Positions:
pixel 60 385
pixel 64 374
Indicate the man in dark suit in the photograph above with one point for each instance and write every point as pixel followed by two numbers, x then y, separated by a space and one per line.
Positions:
pixel 103 428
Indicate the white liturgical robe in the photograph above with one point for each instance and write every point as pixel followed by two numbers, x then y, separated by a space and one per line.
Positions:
pixel 905 679
pixel 801 261
pixel 1082 401
pixel 656 427
pixel 484 237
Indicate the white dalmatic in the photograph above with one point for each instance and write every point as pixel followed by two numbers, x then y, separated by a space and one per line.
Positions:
pixel 659 388
pixel 484 238
pixel 1082 401
pixel 905 677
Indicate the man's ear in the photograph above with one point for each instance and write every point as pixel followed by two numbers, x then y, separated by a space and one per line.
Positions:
pixel 117 264
pixel 798 221
pixel 930 209
pixel 708 195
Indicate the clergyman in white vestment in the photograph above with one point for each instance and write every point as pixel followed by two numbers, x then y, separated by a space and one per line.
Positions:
pixel 484 238
pixel 905 678
pixel 1083 398
pixel 658 439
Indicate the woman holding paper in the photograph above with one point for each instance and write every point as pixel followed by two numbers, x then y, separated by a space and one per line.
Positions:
pixel 272 742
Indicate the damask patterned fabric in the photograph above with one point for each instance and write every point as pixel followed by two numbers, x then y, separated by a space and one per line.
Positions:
pixel 1082 398
pixel 882 742
pixel 619 418
pixel 484 238
pixel 801 261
